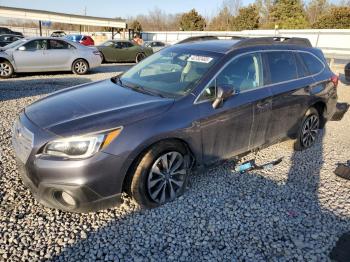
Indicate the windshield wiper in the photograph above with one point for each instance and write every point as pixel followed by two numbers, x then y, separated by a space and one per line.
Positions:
pixel 143 90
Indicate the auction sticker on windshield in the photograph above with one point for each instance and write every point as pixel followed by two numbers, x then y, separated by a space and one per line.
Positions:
pixel 200 59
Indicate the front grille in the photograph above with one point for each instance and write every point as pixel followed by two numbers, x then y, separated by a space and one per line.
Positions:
pixel 22 140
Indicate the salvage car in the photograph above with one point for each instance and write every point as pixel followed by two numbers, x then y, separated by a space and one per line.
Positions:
pixel 123 51
pixel 186 106
pixel 46 54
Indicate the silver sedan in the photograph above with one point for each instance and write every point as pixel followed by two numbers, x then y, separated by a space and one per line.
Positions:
pixel 45 55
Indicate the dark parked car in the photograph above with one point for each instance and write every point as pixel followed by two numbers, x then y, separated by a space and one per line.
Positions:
pixel 82 39
pixel 347 72
pixel 5 30
pixel 186 106
pixel 8 39
pixel 123 51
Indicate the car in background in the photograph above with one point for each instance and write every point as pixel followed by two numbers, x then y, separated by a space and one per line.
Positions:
pixel 347 72
pixel 5 30
pixel 123 51
pixel 46 54
pixel 155 45
pixel 188 105
pixel 8 39
pixel 58 34
pixel 82 39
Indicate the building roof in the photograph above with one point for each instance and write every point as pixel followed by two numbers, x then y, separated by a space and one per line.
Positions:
pixel 23 13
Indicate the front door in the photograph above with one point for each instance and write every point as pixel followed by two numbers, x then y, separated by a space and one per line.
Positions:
pixel 33 57
pixel 227 130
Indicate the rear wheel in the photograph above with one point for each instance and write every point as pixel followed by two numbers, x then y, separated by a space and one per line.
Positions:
pixel 308 131
pixel 80 67
pixel 161 175
pixel 140 57
pixel 6 69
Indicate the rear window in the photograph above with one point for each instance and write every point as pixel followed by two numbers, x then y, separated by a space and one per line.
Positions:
pixel 313 65
pixel 282 66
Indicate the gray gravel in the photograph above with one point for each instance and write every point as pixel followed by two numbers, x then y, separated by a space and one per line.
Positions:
pixel 295 211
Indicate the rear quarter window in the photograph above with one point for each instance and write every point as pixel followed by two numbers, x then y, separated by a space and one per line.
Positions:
pixel 282 66
pixel 313 65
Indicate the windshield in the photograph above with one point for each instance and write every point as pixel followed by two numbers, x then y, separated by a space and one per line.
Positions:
pixel 171 73
pixel 14 44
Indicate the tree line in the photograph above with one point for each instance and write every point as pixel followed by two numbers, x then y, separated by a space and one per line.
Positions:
pixel 263 14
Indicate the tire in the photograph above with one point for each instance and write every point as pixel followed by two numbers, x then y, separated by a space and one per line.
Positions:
pixel 80 67
pixel 153 184
pixel 140 57
pixel 103 59
pixel 6 69
pixel 308 131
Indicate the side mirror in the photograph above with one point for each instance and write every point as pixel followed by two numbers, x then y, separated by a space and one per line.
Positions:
pixel 223 92
pixel 22 48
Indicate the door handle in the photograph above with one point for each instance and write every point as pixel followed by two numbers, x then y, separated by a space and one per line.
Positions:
pixel 263 104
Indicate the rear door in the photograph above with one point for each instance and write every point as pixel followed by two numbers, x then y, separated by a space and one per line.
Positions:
pixel 33 58
pixel 130 50
pixel 61 54
pixel 289 85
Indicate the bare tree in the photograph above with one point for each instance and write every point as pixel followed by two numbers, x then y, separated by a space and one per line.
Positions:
pixel 315 9
pixel 232 5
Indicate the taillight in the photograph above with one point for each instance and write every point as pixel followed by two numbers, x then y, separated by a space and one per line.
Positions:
pixel 335 80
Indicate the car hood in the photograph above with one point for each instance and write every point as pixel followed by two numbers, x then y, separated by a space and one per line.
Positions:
pixel 94 107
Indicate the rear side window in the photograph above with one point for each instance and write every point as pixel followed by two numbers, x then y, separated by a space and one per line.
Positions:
pixel 58 44
pixel 313 65
pixel 282 66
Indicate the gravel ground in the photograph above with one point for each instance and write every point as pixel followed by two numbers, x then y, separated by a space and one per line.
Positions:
pixel 295 211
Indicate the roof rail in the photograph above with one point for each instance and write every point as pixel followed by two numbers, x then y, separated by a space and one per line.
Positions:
pixel 273 41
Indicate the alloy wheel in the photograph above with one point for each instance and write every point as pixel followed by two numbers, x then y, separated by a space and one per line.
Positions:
pixel 310 130
pixel 166 177
pixel 140 57
pixel 5 69
pixel 80 67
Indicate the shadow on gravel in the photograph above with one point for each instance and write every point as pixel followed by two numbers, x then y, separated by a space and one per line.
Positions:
pixel 20 88
pixel 110 68
pixel 251 218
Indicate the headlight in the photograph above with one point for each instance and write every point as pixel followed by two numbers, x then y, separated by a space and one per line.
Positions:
pixel 80 146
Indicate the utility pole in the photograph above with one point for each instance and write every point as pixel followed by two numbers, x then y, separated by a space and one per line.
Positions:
pixel 85 11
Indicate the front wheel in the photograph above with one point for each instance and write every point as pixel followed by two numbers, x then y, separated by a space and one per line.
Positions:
pixel 80 67
pixel 161 175
pixel 308 131
pixel 6 69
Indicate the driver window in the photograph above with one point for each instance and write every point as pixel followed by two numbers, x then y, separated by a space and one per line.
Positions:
pixel 118 45
pixel 243 74
pixel 36 45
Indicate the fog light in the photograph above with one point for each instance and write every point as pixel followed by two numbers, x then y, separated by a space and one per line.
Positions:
pixel 65 199
pixel 68 199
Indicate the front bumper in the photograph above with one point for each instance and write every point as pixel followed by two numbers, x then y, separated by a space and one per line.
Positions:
pixel 92 184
